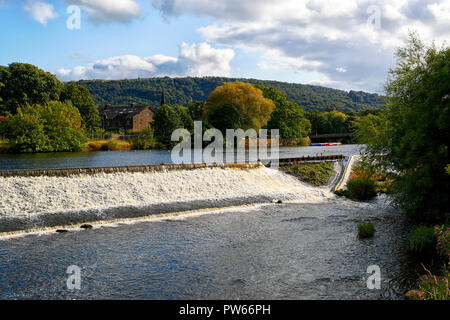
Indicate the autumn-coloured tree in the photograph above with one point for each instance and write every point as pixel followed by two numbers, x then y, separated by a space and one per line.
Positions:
pixel 254 108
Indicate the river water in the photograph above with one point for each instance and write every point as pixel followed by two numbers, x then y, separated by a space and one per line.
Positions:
pixel 273 251
pixel 129 158
pixel 300 249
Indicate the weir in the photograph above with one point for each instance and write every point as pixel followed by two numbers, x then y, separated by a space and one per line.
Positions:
pixel 51 198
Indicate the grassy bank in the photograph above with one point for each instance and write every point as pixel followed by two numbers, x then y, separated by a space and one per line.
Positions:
pixel 315 174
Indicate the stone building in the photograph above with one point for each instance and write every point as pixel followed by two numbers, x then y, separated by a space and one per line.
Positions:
pixel 125 118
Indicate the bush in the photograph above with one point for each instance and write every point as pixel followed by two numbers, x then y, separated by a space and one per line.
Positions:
pixel 96 145
pixel 145 140
pixel 432 287
pixel 111 145
pixel 361 188
pixel 366 230
pixel 423 240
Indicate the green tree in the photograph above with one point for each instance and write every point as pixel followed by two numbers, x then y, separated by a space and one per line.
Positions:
pixel 145 140
pixel 63 126
pixel 166 120
pixel 185 117
pixel 82 100
pixel 288 117
pixel 414 142
pixel 254 108
pixel 55 126
pixel 24 84
pixel 197 110
pixel 225 117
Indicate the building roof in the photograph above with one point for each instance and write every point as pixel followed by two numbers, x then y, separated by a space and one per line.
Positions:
pixel 126 112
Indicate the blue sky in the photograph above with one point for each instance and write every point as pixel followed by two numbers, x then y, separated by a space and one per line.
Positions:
pixel 345 45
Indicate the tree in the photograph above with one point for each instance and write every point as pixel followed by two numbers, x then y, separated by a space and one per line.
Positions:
pixel 197 110
pixel 166 120
pixel 24 84
pixel 55 126
pixel 185 117
pixel 226 117
pixel 253 107
pixel 145 140
pixel 288 117
pixel 82 100
pixel 414 142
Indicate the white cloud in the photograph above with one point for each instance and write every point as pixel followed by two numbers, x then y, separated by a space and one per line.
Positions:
pixel 194 60
pixel 40 11
pixel 319 35
pixel 106 11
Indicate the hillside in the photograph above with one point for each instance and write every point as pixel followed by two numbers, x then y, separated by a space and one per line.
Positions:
pixel 182 90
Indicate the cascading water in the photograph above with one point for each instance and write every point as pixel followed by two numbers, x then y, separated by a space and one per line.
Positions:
pixel 36 202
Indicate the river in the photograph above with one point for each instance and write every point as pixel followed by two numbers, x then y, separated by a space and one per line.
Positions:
pixel 129 158
pixel 274 251
pixel 299 249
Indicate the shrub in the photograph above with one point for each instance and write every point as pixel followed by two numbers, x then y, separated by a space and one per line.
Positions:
pixel 432 287
pixel 366 230
pixel 442 234
pixel 361 188
pixel 145 140
pixel 96 145
pixel 422 240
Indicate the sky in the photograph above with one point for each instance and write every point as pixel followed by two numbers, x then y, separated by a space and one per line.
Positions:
pixel 343 44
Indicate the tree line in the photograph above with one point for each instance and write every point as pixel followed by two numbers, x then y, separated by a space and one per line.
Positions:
pixel 180 91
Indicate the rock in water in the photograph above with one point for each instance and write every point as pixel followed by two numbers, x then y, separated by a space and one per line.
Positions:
pixel 86 226
pixel 62 230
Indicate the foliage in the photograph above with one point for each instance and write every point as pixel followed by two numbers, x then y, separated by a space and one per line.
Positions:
pixel 442 234
pixel 181 91
pixel 255 110
pixel 226 117
pixel 288 117
pixel 55 126
pixel 185 118
pixel 366 230
pixel 197 110
pixel 432 287
pixel 371 127
pixel 96 145
pixel 422 240
pixel 146 139
pixel 330 122
pixel 82 100
pixel 316 174
pixel 23 84
pixel 382 179
pixel 413 139
pixel 166 120
pixel 361 188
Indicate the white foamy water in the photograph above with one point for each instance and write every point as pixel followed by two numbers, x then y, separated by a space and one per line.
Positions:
pixel 25 196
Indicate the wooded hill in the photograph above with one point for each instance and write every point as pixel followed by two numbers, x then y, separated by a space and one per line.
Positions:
pixel 180 91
